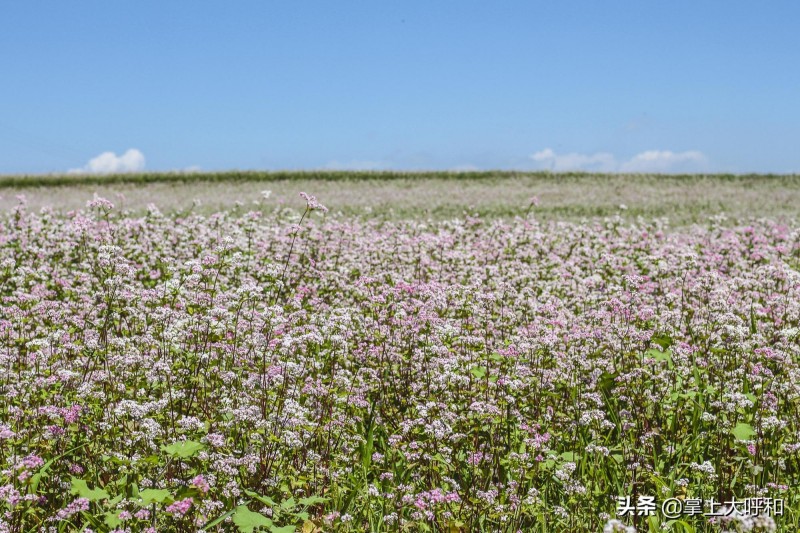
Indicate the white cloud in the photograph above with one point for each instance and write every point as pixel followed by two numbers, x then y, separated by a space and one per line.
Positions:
pixel 665 161
pixel 464 168
pixel 660 161
pixel 110 163
pixel 599 162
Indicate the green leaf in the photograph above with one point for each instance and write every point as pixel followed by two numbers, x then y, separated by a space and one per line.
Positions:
pixel 283 529
pixel 478 371
pixel 112 519
pixel 312 500
pixel 263 499
pixel 149 496
pixel 247 520
pixel 183 449
pixel 82 490
pixel 37 477
pixel 288 504
pixel 218 520
pixel 743 431
pixel 658 355
pixel 665 341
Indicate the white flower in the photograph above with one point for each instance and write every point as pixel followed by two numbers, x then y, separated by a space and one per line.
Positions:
pixel 615 526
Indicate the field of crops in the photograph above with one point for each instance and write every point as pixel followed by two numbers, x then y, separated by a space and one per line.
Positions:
pixel 266 368
pixel 397 195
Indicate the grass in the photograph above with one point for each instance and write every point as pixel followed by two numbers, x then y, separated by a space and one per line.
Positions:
pixel 684 199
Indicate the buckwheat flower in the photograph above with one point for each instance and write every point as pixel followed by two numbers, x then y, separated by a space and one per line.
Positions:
pixel 560 511
pixel 312 203
pixel 708 417
pixel 706 467
pixel 565 471
pixel 99 201
pixel 216 440
pixel 615 526
pixel 181 507
pixel 125 515
pixel 78 505
pixel 10 495
pixel 142 514
pixel 31 461
pixel 201 484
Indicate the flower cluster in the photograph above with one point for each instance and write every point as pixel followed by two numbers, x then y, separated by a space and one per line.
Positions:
pixel 244 370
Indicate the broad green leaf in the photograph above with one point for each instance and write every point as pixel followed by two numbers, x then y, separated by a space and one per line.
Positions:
pixel 665 341
pixel 658 355
pixel 310 527
pixel 282 529
pixel 263 499
pixel 149 496
pixel 82 490
pixel 183 449
pixel 247 520
pixel 288 504
pixel 478 371
pixel 112 519
pixel 743 431
pixel 312 500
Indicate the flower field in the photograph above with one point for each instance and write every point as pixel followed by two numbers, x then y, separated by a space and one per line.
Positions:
pixel 295 370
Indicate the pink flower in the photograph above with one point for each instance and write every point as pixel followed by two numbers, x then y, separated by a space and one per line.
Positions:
pixel 312 203
pixel 181 507
pixel 201 484
pixel 80 504
pixel 142 514
pixel 32 462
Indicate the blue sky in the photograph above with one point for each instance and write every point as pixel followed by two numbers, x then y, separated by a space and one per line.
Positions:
pixel 609 86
